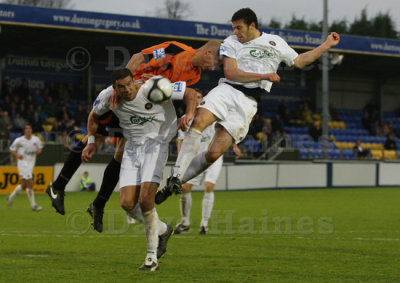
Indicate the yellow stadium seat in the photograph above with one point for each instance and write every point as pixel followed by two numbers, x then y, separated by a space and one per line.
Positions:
pixel 377 154
pixel 389 154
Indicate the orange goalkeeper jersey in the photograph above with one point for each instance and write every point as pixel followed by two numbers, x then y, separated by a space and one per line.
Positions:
pixel 172 60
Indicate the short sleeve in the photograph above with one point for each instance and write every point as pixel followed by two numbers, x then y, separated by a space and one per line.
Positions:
pixel 39 143
pixel 14 145
pixel 178 90
pixel 102 105
pixel 288 53
pixel 227 48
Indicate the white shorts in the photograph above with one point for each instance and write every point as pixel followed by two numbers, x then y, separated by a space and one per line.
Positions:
pixel 143 163
pixel 25 172
pixel 211 174
pixel 233 109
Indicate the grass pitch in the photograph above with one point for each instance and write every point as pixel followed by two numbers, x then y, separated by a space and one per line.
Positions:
pixel 254 236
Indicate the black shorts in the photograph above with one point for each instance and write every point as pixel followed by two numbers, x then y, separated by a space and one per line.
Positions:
pixel 109 125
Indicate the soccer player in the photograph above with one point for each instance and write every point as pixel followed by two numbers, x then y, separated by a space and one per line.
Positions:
pixel 148 129
pixel 209 176
pixel 251 60
pixel 25 149
pixel 173 60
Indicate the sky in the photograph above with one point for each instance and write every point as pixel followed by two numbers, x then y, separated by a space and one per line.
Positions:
pixel 220 11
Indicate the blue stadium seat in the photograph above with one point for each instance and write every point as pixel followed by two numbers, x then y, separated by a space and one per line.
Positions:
pixel 15 135
pixel 316 153
pixel 304 153
pixel 348 154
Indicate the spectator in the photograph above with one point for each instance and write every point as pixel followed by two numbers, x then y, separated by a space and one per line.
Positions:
pixel 30 113
pixel 23 90
pixel 360 152
pixel 390 143
pixel 366 121
pixel 65 139
pixel 282 108
pixel 315 130
pixel 80 116
pixel 276 124
pixel 333 113
pixel 41 113
pixel 5 128
pixel 37 98
pixel 6 88
pixel 307 115
pixel 86 183
pixel 50 108
pixel 18 123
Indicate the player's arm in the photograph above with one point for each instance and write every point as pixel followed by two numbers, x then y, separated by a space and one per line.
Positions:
pixel 236 150
pixel 92 125
pixel 190 101
pixel 135 61
pixel 311 56
pixel 233 73
pixel 16 154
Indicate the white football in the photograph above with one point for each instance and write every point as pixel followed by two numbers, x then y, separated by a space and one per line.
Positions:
pixel 157 89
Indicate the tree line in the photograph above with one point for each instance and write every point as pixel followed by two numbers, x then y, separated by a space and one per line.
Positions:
pixel 381 25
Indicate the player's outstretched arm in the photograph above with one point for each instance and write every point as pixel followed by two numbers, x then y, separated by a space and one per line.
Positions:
pixel 232 73
pixel 135 61
pixel 92 125
pixel 190 101
pixel 311 56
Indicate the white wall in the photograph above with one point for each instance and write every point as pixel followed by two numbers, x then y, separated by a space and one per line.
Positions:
pixel 354 174
pixel 276 175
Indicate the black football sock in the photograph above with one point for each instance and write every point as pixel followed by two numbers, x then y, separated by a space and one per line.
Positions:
pixel 110 180
pixel 70 166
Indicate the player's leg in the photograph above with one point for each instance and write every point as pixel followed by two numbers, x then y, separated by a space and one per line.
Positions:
pixel 110 180
pixel 153 226
pixel 185 206
pixel 12 196
pixel 191 142
pixel 31 195
pixel 221 141
pixel 157 232
pixel 189 149
pixel 56 189
pixel 211 178
pixel 215 106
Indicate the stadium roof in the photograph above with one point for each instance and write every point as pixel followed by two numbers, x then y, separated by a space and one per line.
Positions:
pixel 146 26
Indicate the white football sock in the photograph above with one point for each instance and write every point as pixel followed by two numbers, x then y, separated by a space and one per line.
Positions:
pixel 190 147
pixel 150 227
pixel 198 165
pixel 186 205
pixel 207 206
pixel 161 226
pixel 16 191
pixel 136 213
pixel 31 196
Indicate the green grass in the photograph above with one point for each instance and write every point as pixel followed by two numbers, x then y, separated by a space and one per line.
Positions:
pixel 255 236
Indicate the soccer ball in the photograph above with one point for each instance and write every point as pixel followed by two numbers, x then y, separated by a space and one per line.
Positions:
pixel 157 89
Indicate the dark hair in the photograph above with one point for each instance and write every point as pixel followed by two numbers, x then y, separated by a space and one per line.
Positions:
pixel 28 124
pixel 199 91
pixel 120 74
pixel 247 15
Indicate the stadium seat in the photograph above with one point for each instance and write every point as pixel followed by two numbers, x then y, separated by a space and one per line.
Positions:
pixel 348 154
pixel 304 153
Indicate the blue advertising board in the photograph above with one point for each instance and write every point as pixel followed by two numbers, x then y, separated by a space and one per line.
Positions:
pixel 72 19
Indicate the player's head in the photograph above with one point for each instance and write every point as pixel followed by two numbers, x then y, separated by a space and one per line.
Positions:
pixel 199 96
pixel 86 174
pixel 123 83
pixel 27 129
pixel 245 24
pixel 207 56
